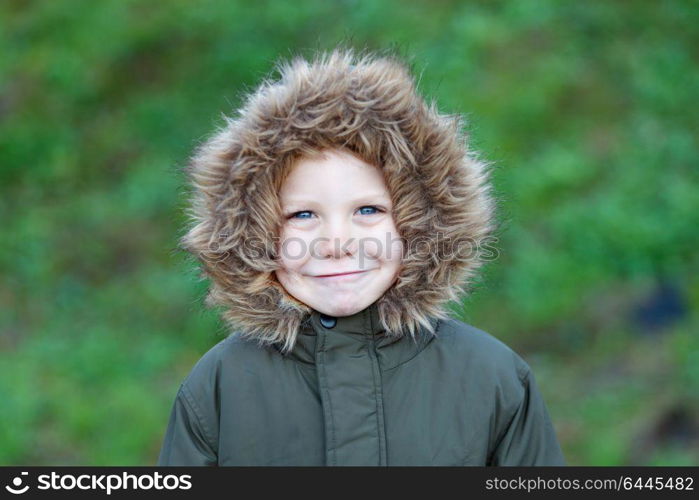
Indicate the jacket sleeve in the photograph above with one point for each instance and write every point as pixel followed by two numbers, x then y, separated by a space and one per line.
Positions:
pixel 529 439
pixel 187 437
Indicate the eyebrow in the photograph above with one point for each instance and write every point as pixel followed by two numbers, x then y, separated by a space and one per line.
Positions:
pixel 365 198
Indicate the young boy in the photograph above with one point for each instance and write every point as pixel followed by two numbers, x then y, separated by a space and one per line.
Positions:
pixel 336 216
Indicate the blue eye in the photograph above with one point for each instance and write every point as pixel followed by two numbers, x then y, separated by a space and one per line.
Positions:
pixel 371 207
pixel 295 215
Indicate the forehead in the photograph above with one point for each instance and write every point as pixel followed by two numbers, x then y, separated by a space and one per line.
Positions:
pixel 333 176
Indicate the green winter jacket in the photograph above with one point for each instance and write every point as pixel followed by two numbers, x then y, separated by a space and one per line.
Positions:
pixel 349 395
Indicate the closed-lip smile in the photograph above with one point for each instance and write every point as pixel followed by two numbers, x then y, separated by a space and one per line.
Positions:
pixel 340 274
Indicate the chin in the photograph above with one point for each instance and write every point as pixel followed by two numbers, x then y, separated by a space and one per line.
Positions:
pixel 339 309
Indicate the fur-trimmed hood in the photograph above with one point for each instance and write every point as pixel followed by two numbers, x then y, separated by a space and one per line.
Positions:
pixel 369 105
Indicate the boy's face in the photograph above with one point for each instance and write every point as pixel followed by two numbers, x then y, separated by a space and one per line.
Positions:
pixel 337 220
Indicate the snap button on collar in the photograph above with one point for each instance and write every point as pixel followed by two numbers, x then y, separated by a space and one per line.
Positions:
pixel 327 321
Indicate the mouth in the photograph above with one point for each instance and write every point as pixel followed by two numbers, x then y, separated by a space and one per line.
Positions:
pixel 337 275
pixel 340 276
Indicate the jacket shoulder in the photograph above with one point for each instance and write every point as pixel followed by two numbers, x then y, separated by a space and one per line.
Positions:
pixel 522 432
pixel 481 351
pixel 233 352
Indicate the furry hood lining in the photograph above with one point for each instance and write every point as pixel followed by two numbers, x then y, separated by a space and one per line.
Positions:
pixel 368 105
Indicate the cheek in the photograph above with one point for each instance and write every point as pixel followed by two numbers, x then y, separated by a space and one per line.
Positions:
pixel 383 243
pixel 293 251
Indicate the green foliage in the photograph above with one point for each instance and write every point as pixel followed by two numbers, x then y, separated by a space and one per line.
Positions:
pixel 585 109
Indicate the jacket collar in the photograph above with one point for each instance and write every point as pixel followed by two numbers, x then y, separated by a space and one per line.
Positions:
pixel 350 332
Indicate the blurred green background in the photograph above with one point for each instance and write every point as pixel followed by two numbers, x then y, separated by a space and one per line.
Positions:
pixel 586 109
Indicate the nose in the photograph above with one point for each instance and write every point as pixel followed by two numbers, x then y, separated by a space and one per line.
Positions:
pixel 337 240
